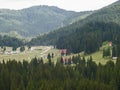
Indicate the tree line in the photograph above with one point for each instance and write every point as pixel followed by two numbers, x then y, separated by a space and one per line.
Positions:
pixel 90 37
pixel 10 41
pixel 37 75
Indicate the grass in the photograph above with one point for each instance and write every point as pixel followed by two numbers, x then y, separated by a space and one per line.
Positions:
pixel 38 52
pixel 98 55
pixel 27 54
pixel 98 58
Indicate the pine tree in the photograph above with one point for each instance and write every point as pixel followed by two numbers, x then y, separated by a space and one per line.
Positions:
pixel 52 55
pixel 14 48
pixel 114 51
pixel 22 48
pixel 49 58
pixel 104 53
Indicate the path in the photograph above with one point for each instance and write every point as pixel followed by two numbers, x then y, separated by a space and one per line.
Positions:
pixel 43 54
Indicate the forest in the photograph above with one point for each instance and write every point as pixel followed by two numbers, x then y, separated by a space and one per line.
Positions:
pixel 105 15
pixel 90 37
pixel 79 74
pixel 11 41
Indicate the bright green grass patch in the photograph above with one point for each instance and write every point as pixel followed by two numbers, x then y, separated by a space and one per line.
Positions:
pixel 98 57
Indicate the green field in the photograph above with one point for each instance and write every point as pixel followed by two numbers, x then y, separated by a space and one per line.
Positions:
pixel 38 51
pixel 42 51
pixel 98 55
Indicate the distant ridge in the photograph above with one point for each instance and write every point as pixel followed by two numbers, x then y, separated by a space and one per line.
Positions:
pixel 37 20
pixel 108 14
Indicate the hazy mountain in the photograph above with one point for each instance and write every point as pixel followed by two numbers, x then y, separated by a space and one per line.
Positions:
pixel 37 20
pixel 107 14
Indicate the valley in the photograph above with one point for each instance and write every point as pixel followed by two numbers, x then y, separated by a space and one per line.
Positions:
pixel 80 32
pixel 49 48
pixel 43 51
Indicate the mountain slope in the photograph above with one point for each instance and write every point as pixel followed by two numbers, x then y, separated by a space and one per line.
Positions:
pixel 90 37
pixel 107 14
pixel 37 20
pixel 110 13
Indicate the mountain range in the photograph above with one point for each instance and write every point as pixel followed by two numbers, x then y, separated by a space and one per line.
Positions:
pixel 37 20
pixel 108 14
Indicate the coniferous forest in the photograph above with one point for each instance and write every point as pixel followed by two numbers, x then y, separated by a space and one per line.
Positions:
pixel 83 75
pixel 85 33
pixel 88 38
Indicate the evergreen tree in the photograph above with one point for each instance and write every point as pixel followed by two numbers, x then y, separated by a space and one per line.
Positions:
pixel 49 58
pixel 52 55
pixel 108 53
pixel 14 48
pixel 104 53
pixel 114 51
pixel 4 49
pixel 22 48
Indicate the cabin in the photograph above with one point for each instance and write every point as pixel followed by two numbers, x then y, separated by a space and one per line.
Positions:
pixel 12 52
pixel 114 58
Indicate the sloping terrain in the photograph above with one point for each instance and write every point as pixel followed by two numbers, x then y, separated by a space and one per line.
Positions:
pixel 37 20
pixel 107 14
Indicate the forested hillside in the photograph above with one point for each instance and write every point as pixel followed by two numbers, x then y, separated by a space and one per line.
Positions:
pixel 102 22
pixel 90 37
pixel 37 20
pixel 11 41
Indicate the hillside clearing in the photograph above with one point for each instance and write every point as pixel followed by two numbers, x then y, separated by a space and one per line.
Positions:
pixel 36 51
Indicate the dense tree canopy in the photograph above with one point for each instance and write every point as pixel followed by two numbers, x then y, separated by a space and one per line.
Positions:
pixel 38 76
pixel 10 41
pixel 107 14
pixel 90 37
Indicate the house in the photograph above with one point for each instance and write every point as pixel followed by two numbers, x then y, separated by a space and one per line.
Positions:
pixel 114 58
pixel 14 52
pixel 63 51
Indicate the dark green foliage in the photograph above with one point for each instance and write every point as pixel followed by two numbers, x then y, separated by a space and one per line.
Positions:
pixel 116 47
pixel 52 55
pixel 10 41
pixel 49 58
pixel 22 48
pixel 107 14
pixel 114 51
pixel 89 37
pixel 14 48
pixel 4 49
pixel 106 52
pixel 38 76
pixel 29 47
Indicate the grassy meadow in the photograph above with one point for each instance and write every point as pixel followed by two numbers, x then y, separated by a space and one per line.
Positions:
pixel 42 51
pixel 36 51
